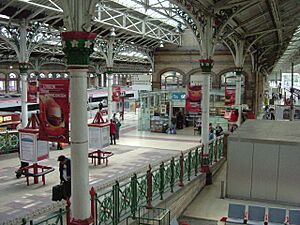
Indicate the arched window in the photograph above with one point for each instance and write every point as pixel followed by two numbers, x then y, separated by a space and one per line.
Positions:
pixel 171 80
pixel 32 75
pixel 42 75
pixel 50 75
pixel 2 82
pixel 58 75
pixel 12 82
pixel 66 75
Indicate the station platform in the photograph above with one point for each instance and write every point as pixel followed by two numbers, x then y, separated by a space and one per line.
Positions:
pixel 208 207
pixel 134 150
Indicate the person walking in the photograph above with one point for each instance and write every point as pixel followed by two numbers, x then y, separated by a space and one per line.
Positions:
pixel 65 175
pixel 113 130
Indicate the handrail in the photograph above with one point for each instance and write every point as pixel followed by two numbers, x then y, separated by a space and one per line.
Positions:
pixel 125 196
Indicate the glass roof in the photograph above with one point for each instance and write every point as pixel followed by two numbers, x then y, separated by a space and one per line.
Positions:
pixel 162 10
pixel 291 51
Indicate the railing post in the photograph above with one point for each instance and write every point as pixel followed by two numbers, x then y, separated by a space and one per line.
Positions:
pixel 189 165
pixel 68 212
pixel 172 180
pixel 116 203
pixel 196 155
pixel 216 145
pixel 149 187
pixel 211 152
pixel 221 146
pixel 93 203
pixel 181 161
pixel 61 216
pixel 133 184
pixel 162 180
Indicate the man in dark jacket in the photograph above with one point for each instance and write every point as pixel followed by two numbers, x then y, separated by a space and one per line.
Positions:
pixel 65 175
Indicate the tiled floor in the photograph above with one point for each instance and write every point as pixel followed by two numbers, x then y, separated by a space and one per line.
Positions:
pixel 135 150
pixel 209 206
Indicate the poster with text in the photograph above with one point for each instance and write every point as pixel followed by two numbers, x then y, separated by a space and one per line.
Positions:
pixel 32 91
pixel 116 92
pixel 229 96
pixel 193 99
pixel 28 144
pixel 54 110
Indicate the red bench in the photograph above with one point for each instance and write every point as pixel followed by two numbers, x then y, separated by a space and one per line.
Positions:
pixel 98 157
pixel 37 171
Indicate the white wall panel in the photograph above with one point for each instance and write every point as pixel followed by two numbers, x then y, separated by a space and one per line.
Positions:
pixel 239 169
pixel 289 174
pixel 264 174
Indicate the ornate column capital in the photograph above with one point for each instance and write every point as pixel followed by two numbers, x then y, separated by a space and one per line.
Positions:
pixel 109 70
pixel 78 46
pixel 23 67
pixel 238 71
pixel 206 64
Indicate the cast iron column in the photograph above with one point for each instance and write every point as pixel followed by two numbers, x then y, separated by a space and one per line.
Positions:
pixel 78 46
pixel 206 66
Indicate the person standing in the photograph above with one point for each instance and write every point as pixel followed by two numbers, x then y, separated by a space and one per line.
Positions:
pixel 118 125
pixel 113 130
pixel 219 130
pixel 65 175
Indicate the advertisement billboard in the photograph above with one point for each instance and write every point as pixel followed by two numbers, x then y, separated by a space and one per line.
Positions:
pixel 54 110
pixel 193 99
pixel 32 91
pixel 116 92
pixel 229 96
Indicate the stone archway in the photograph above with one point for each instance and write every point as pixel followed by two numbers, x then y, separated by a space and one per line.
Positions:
pixel 199 71
pixel 220 78
pixel 165 71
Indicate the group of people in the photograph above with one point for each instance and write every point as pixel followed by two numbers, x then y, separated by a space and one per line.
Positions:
pixel 214 132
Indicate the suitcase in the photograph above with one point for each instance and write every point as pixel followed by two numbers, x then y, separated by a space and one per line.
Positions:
pixel 57 192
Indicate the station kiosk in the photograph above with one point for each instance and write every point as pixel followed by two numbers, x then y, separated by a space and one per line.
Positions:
pixel 98 132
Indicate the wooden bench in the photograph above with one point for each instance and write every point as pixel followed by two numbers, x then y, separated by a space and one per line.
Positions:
pixel 99 157
pixel 37 171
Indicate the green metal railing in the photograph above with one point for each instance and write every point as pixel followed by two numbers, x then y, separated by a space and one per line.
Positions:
pixel 124 199
pixel 9 142
pixel 59 217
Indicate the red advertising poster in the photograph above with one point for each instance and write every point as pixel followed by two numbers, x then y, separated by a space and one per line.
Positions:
pixel 193 99
pixel 229 96
pixel 116 92
pixel 54 110
pixel 32 91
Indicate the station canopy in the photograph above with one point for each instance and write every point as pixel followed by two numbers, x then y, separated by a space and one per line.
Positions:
pixel 269 27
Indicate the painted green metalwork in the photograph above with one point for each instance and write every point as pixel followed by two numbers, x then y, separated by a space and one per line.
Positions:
pixel 54 218
pixel 196 161
pixel 189 165
pixel 134 198
pixel 9 142
pixel 162 180
pixel 104 207
pixel 172 180
pixel 116 214
pixel 156 183
pixel 211 152
pixel 142 190
pixel 168 176
pixel 124 199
